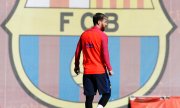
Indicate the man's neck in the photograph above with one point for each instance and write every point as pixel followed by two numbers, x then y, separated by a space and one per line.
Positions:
pixel 98 27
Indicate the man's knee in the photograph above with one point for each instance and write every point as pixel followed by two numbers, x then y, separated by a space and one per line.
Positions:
pixel 106 95
pixel 89 98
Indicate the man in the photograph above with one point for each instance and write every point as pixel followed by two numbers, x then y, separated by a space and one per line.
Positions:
pixel 94 45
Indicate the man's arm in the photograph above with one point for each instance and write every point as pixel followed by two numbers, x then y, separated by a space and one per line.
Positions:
pixel 77 56
pixel 106 52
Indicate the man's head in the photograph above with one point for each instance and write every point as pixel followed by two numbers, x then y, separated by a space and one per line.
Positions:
pixel 100 20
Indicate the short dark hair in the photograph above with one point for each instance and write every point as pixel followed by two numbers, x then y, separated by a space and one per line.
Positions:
pixel 97 17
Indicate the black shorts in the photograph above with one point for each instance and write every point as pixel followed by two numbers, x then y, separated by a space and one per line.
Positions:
pixel 94 82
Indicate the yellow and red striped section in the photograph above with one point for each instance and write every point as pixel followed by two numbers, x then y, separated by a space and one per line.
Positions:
pixel 121 4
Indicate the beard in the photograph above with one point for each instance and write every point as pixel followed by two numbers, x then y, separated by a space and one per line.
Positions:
pixel 103 28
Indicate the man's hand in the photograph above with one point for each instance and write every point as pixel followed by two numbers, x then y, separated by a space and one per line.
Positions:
pixel 110 73
pixel 77 70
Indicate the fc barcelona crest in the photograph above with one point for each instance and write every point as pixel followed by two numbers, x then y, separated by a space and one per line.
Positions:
pixel 44 38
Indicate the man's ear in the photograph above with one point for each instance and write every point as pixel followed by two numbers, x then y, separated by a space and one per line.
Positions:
pixel 99 22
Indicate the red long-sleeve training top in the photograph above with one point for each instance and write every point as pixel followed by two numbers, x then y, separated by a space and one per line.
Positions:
pixel 94 45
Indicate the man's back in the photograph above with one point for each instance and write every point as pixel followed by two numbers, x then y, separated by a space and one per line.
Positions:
pixel 91 41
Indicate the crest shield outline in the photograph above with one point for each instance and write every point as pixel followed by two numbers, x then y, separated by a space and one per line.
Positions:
pixel 12 26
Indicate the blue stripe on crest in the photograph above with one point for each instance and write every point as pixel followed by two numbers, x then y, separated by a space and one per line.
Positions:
pixel 68 90
pixel 29 52
pixel 149 55
pixel 114 52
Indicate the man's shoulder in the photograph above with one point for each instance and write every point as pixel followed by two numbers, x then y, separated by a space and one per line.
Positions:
pixel 95 32
pixel 104 34
pixel 87 31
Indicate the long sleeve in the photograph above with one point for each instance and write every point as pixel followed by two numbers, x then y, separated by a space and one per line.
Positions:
pixel 77 53
pixel 106 52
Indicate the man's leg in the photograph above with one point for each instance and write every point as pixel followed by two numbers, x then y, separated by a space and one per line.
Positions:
pixel 89 100
pixel 104 88
pixel 90 89
pixel 104 99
